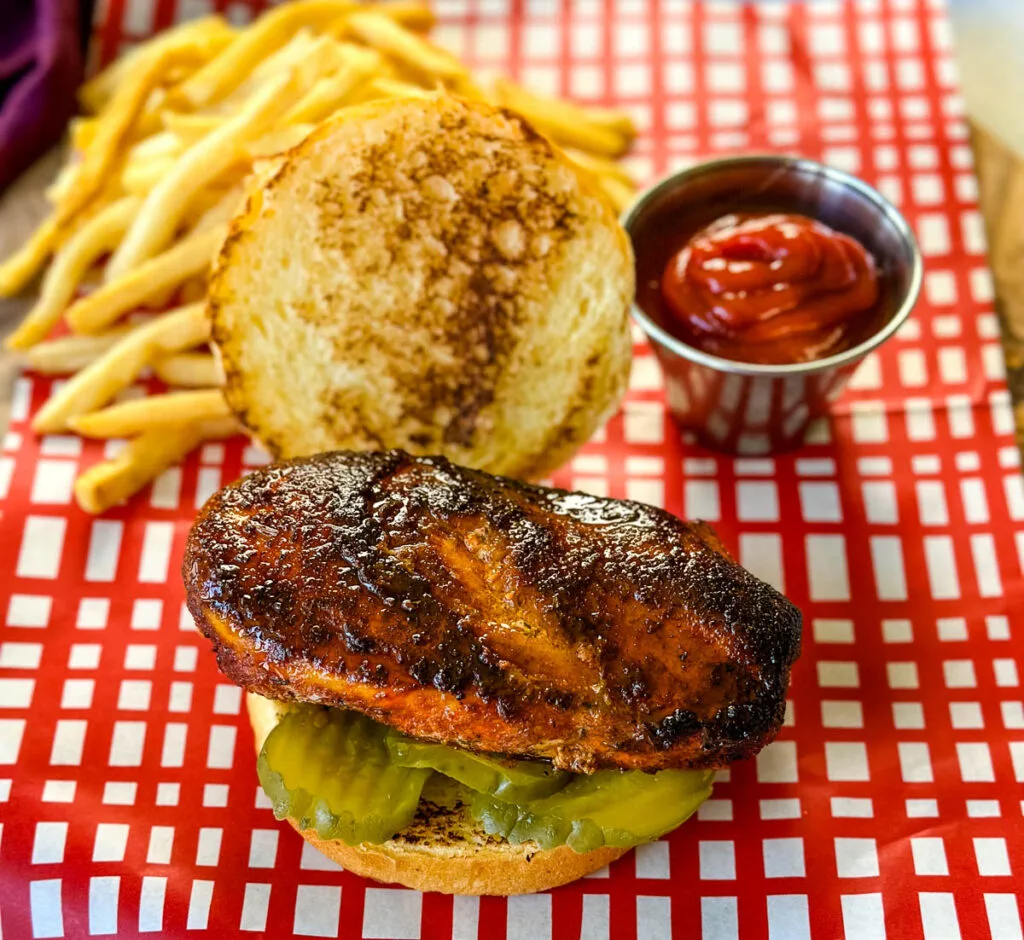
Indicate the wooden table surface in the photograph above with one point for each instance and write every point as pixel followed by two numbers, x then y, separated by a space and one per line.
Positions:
pixel 1000 175
pixel 1001 181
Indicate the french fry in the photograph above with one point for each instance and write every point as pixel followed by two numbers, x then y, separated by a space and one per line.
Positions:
pixel 107 304
pixel 161 144
pixel 165 205
pixel 467 88
pixel 309 57
pixel 611 119
pixel 148 160
pixel 381 87
pixel 70 264
pixel 86 183
pixel 210 33
pixel 376 30
pixel 415 16
pixel 113 481
pixel 17 270
pixel 187 129
pixel 332 91
pixel 600 166
pixel 278 141
pixel 140 177
pixel 148 123
pixel 284 58
pixel 61 184
pixel 189 370
pixel 113 126
pixel 271 31
pixel 620 194
pixel 71 353
pixel 82 132
pixel 131 418
pixel 218 207
pixel 596 130
pixel 121 364
pixel 193 290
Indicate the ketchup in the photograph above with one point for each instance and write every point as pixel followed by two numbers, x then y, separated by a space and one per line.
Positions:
pixel 771 289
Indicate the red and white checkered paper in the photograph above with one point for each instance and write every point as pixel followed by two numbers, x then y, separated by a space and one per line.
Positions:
pixel 891 805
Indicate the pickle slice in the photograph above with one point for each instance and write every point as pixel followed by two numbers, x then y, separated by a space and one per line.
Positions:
pixel 329 770
pixel 510 781
pixel 611 807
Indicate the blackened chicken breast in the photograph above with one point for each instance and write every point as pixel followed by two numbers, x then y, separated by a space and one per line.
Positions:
pixel 491 614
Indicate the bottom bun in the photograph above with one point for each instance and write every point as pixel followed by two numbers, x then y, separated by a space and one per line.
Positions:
pixel 443 848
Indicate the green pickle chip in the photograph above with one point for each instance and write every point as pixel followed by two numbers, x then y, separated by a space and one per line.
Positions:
pixel 350 778
pixel 329 770
pixel 510 781
pixel 612 807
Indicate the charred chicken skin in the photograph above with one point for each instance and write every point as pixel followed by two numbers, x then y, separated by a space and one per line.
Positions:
pixel 490 614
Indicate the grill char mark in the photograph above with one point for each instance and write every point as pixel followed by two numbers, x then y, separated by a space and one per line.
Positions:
pixel 491 614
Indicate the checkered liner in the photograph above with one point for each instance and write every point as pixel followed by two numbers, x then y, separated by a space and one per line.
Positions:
pixel 890 806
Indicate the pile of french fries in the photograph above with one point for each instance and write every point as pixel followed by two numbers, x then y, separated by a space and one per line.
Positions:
pixel 157 169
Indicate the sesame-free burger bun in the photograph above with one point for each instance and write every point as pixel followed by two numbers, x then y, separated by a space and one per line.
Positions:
pixel 427 274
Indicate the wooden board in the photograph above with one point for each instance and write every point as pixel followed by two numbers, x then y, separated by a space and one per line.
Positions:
pixel 1001 182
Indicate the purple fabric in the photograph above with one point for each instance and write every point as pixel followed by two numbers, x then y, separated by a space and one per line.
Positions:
pixel 40 69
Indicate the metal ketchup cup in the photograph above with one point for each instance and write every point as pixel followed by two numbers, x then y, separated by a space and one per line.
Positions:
pixel 747 408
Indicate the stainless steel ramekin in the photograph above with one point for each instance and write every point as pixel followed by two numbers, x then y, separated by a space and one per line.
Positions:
pixel 747 408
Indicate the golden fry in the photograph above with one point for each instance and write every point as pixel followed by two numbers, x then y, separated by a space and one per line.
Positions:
pixel 287 57
pixel 106 305
pixel 600 166
pixel 415 16
pixel 140 177
pixel 17 270
pixel 332 91
pixel 386 35
pixel 159 145
pixel 271 31
pixel 112 128
pixel 162 211
pixel 597 130
pixel 120 365
pixel 211 33
pixel 130 418
pixel 189 370
pixel 84 185
pixel 191 128
pixel 193 290
pixel 324 57
pixel 82 132
pixel 391 88
pixel 467 88
pixel 216 208
pixel 278 141
pixel 113 481
pixel 307 56
pixel 70 264
pixel 61 184
pixel 71 353
pixel 620 194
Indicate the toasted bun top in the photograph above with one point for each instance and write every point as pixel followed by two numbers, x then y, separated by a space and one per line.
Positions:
pixel 429 274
